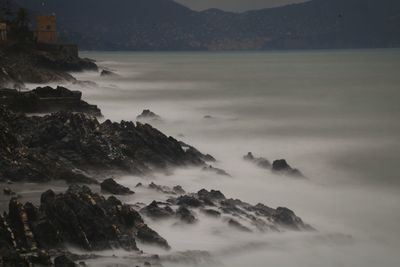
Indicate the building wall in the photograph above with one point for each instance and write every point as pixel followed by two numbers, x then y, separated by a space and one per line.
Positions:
pixel 46 29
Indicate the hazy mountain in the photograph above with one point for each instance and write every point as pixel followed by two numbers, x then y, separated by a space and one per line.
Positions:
pixel 167 25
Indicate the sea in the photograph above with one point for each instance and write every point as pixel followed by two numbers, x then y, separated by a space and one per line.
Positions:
pixel 333 114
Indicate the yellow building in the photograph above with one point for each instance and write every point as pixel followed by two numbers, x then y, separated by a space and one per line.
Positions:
pixel 3 32
pixel 46 29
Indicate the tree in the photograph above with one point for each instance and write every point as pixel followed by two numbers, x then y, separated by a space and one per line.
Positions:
pixel 20 26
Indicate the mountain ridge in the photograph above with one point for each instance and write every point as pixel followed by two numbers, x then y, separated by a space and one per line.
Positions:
pixel 167 25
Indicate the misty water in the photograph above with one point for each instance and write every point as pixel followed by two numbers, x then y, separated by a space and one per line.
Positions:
pixel 332 114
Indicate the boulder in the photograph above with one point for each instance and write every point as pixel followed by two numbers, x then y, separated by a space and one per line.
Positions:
pixel 157 210
pixel 147 114
pixel 282 167
pixel 112 187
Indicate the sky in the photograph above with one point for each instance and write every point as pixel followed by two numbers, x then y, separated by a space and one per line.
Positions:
pixel 235 5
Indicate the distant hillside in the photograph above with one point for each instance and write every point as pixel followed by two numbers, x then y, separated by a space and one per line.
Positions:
pixel 167 25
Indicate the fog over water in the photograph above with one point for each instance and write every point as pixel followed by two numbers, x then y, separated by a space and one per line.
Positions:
pixel 332 114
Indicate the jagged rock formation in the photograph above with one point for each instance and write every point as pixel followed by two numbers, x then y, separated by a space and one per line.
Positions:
pixel 29 64
pixel 261 162
pixel 70 147
pixel 108 73
pixel 112 187
pixel 46 100
pixel 278 166
pixel 217 171
pixel 234 212
pixel 192 150
pixel 30 234
pixel 147 115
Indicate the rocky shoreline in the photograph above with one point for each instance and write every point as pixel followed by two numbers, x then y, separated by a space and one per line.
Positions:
pixel 23 63
pixel 73 146
pixel 46 100
pixel 31 234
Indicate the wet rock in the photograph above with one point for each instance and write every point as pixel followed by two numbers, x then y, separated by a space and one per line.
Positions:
pixel 210 195
pixel 72 146
pixel 263 218
pixel 147 235
pixel 185 215
pixel 7 191
pixel 46 100
pixel 189 201
pixel 235 224
pixel 77 217
pixel 64 261
pixel 216 171
pixel 40 64
pixel 178 190
pixel 288 218
pixel 105 73
pixel 282 167
pixel 260 162
pixel 278 166
pixel 193 151
pixel 211 213
pixel 147 114
pixel 157 210
pixel 112 187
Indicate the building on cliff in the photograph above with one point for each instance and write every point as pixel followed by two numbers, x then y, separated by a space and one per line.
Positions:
pixel 3 32
pixel 46 29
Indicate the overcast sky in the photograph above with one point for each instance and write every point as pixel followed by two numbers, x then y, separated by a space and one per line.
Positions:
pixel 235 5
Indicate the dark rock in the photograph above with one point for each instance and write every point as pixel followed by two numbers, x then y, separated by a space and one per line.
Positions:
pixel 216 171
pixel 139 185
pixel 185 215
pixel 77 217
pixel 193 151
pixel 211 195
pixel 147 235
pixel 112 187
pixel 282 167
pixel 156 212
pixel 287 218
pixel 260 162
pixel 212 213
pixel 148 115
pixel 34 64
pixel 46 100
pixel 7 191
pixel 71 147
pixel 178 190
pixel 278 166
pixel 64 261
pixel 235 224
pixel 105 73
pixel 189 201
